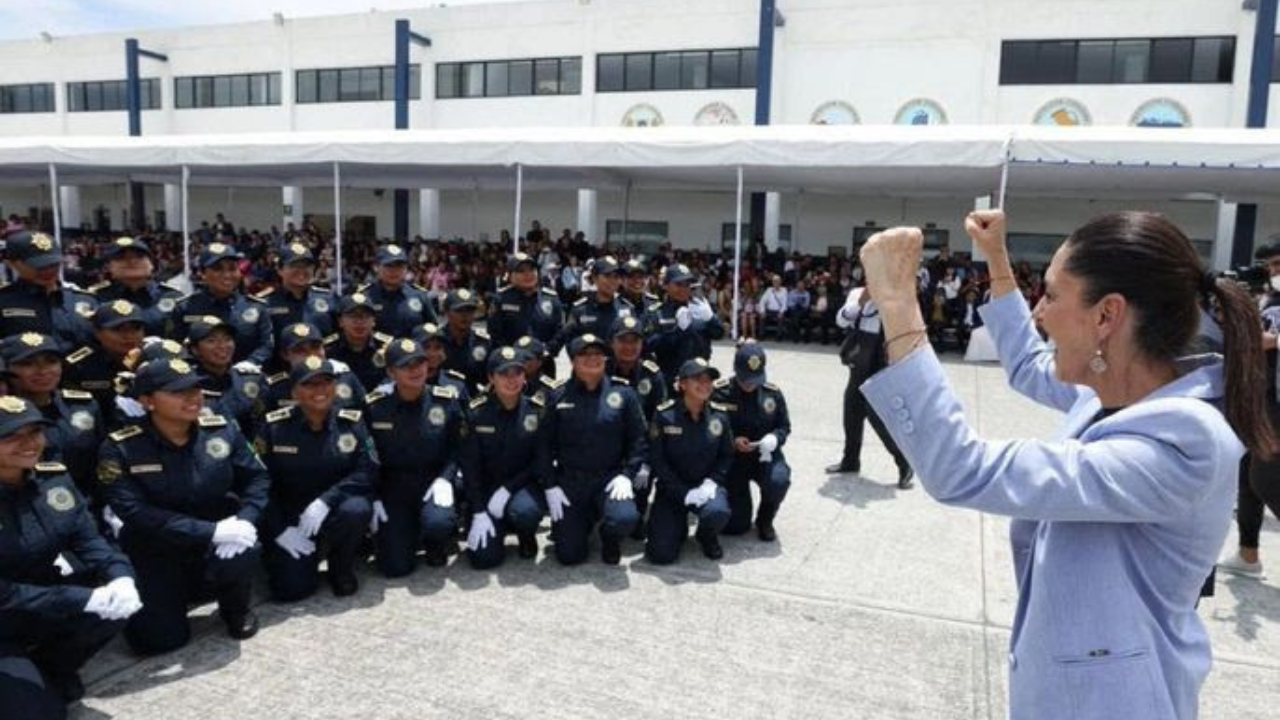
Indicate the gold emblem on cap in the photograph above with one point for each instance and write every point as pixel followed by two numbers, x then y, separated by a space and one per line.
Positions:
pixel 171 346
pixel 125 242
pixel 754 363
pixel 430 328
pixel 589 338
pixel 122 307
pixel 11 404
pixel 629 322
pixel 211 320
pixel 42 242
pixel 464 294
pixel 301 330
pixel 32 339
pixel 508 354
pixel 179 366
pixel 298 249
pixel 359 298
pixel 313 363
pixel 407 345
pixel 217 248
pixel 393 249
pixel 524 341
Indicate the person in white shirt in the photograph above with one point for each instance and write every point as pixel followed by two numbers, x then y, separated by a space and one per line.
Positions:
pixel 773 304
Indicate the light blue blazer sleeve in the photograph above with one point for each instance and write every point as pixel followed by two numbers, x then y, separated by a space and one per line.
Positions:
pixel 1150 462
pixel 1026 359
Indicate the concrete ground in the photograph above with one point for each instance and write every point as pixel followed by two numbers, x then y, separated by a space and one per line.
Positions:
pixel 875 603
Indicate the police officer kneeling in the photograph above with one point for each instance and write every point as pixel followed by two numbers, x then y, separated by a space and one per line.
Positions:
pixel 322 463
pixel 189 490
pixel 50 625
pixel 498 463
pixel 690 450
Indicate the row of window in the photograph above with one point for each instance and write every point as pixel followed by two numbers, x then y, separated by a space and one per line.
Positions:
pixel 1109 62
pixel 107 95
pixel 34 98
pixel 227 90
pixel 509 78
pixel 684 70
pixel 366 84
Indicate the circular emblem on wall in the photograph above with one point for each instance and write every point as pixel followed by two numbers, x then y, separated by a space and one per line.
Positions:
pixel 1162 112
pixel 642 115
pixel 836 112
pixel 346 442
pixel 716 113
pixel 921 111
pixel 217 448
pixel 1063 112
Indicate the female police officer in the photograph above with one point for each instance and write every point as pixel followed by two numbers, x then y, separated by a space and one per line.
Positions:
pixel 690 450
pixel 49 625
pixel 322 465
pixel 498 462
pixel 190 491
pixel 416 430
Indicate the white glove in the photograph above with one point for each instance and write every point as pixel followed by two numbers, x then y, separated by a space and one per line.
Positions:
pixel 498 502
pixel 100 603
pixel 684 318
pixel 339 366
pixel 442 492
pixel 481 530
pixel 313 517
pixel 766 445
pixel 379 517
pixel 234 531
pixel 246 366
pixel 701 310
pixel 125 600
pixel 619 488
pixel 295 542
pixel 130 407
pixel 557 501
pixel 64 567
pixel 642 478
pixel 849 313
pixel 226 551
pixel 702 494
pixel 113 521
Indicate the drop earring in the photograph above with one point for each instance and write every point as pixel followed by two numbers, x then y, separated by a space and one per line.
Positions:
pixel 1098 364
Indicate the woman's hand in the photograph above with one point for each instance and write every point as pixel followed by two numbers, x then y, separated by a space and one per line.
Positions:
pixel 987 228
pixel 890 260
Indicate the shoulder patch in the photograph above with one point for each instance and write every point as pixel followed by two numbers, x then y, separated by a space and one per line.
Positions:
pixel 167 286
pixel 548 382
pixel 620 380
pixel 550 292
pixel 76 395
pixel 248 369
pixel 277 378
pixel 212 421
pixel 51 467
pixel 771 386
pixel 503 288
pixel 331 339
pixel 100 286
pixel 281 414
pixel 482 333
pixel 211 393
pixel 79 355
pixel 651 366
pixel 666 404
pixel 481 400
pixel 419 287
pixel 375 396
pixel 263 294
pixel 537 401
pixel 125 433
pixel 456 375
pixel 382 337
pixel 721 383
pixel 580 301
pixel 321 289
pixel 352 415
pixel 718 406
pixel 254 298
pixel 444 392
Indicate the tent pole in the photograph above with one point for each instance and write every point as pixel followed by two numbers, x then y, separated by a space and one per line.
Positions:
pixel 57 212
pixel 1004 173
pixel 186 225
pixel 337 226
pixel 515 232
pixel 737 256
pixel 626 211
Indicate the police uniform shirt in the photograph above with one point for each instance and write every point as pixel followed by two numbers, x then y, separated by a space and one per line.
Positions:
pixel 365 363
pixel 254 339
pixel 348 392
pixel 417 441
pixel 683 451
pixel 238 394
pixel 316 306
pixel 90 369
pixel 157 301
pixel 75 435
pixel 171 496
pixel 589 315
pixel 401 310
pixel 648 382
pixel 331 464
pixel 454 380
pixel 754 414
pixel 645 309
pixel 499 447
pixel 468 357
pixel 516 314
pixel 63 313
pixel 44 517
pixel 672 346
pixel 592 436
pixel 541 388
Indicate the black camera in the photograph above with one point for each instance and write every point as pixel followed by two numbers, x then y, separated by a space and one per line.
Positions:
pixel 1255 277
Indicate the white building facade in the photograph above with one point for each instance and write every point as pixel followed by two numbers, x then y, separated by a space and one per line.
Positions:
pixel 571 63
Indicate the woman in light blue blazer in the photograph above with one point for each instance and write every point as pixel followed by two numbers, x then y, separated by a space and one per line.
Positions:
pixel 1118 520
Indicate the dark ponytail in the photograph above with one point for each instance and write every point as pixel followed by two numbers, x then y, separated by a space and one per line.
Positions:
pixel 1146 259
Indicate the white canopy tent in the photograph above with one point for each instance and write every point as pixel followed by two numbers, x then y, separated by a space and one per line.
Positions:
pixel 877 161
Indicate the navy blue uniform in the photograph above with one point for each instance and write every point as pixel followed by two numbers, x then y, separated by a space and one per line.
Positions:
pixel 672 346
pixel 684 452
pixel 648 382
pixel 236 395
pixel 468 356
pixel 43 626
pixel 589 315
pixel 365 363
pixel 63 313
pixel 315 307
pixel 89 369
pixel 754 415
pixel 255 340
pixel 399 311
pixel 417 442
pixel 336 465
pixel 348 391
pixel 75 436
pixel 500 450
pixel 516 314
pixel 156 299
pixel 591 437
pixel 170 498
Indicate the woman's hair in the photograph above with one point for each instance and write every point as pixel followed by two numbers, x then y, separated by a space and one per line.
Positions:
pixel 1146 259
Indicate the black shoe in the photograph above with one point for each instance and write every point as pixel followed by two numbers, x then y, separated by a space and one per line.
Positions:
pixel 711 548
pixel 344 584
pixel 638 533
pixel 68 686
pixel 243 627
pixel 764 528
pixel 528 546
pixel 843 467
pixel 437 557
pixel 611 552
pixel 904 477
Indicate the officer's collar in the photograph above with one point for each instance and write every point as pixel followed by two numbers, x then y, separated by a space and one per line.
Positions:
pixel 38 290
pixel 604 384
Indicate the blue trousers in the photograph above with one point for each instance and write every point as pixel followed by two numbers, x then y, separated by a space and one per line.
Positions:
pixel 669 525
pixel 522 517
pixel 591 506
pixel 338 540
pixel 35 643
pixel 774 479
pixel 411 525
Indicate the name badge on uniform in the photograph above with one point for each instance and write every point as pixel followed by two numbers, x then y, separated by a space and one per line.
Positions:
pixel 278 311
pixel 486 429
pixel 217 448
pixel 143 469
pixel 346 442
pixel 564 406
pixel 511 308
pixel 19 312
pixel 284 450
pixel 672 430
pixel 382 426
pixel 614 400
pixel 587 318
pixel 436 416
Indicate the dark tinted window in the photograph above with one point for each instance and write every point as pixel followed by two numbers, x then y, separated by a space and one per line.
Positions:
pixel 610 73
